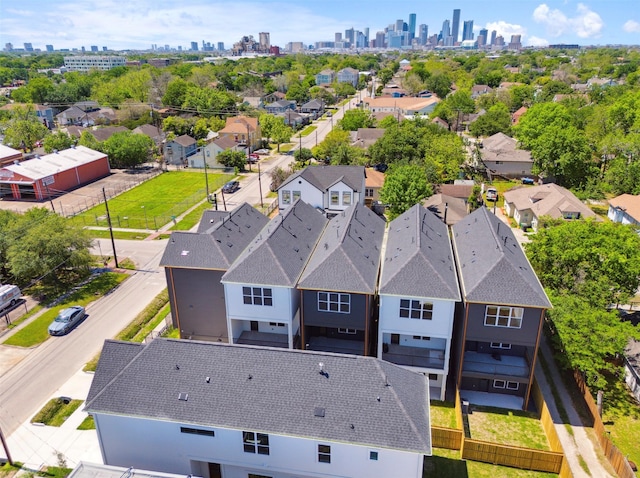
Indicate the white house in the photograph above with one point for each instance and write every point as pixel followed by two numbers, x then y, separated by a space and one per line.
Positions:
pixel 260 286
pixel 418 294
pixel 228 411
pixel 625 209
pixel 329 188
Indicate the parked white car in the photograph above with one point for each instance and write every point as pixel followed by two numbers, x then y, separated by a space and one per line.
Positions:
pixel 9 295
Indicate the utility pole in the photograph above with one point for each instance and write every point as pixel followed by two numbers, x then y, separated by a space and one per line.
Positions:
pixel 260 187
pixel 6 448
pixel 206 176
pixel 113 242
pixel 46 186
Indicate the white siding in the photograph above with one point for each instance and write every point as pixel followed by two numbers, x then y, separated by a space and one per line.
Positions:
pixel 342 188
pixel 160 446
pixel 284 301
pixel 440 326
pixel 308 193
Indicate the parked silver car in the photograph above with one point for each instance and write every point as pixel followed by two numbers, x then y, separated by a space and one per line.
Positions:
pixel 66 320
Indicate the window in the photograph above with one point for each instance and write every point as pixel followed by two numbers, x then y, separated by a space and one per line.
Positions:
pixel 197 431
pixel 253 475
pixel 324 453
pixel 257 296
pixel 373 455
pixel 503 316
pixel 296 195
pixel 415 309
pixel 500 345
pixel 286 197
pixel 334 302
pixel 255 442
pixel 433 377
pixel 506 384
pixel 368 192
pixel 420 337
pixel 276 324
pixel 347 331
pixel 335 198
pixel 346 198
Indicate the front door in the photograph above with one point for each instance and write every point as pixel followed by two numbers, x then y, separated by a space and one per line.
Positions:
pixel 254 325
pixel 214 470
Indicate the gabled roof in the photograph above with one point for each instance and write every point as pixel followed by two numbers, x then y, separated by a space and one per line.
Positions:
pixel 365 137
pixel 121 354
pixel 280 251
pixel 501 147
pixel 492 266
pixel 347 257
pixel 104 133
pixel 418 259
pixel 442 205
pixel 462 191
pixel 71 112
pixel 313 104
pixel 184 140
pixel 375 179
pixel 225 142
pixel 149 130
pixel 281 104
pixel 359 400
pixel 239 124
pixel 323 177
pixel 349 70
pixel 547 200
pixel 214 247
pixel 628 203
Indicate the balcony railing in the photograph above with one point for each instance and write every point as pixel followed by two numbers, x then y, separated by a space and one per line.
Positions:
pixel 414 356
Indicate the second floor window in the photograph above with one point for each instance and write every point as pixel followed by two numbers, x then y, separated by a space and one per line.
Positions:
pixel 296 195
pixel 324 453
pixel 346 198
pixel 257 296
pixel 510 317
pixel 368 192
pixel 335 198
pixel 414 309
pixel 286 197
pixel 334 302
pixel 255 443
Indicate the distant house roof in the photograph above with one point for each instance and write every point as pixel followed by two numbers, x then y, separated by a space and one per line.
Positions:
pixel 104 133
pixel 442 205
pixel 151 131
pixel 347 256
pixel 628 203
pixel 374 179
pixel 239 124
pixel 71 113
pixel 478 90
pixel 365 137
pixel 87 105
pixel 491 264
pixel 280 251
pixel 54 163
pixel 225 142
pixel 360 400
pixel 103 113
pixel 501 147
pixel 515 117
pixel 217 243
pixel 185 140
pixel 547 200
pixel 313 105
pixel 281 104
pixel 462 191
pixel 327 71
pixel 323 177
pixel 418 259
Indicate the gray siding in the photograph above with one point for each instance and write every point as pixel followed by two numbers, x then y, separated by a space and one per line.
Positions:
pixel 354 320
pixel 486 385
pixel 197 303
pixel 526 335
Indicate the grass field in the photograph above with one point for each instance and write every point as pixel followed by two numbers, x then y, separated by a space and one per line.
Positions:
pixel 443 414
pixel 621 417
pixel 152 204
pixel 508 427
pixel 37 331
pixel 501 186
pixel 308 130
pixel 192 218
pixel 56 411
pixel 447 464
pixel 129 235
pixel 87 424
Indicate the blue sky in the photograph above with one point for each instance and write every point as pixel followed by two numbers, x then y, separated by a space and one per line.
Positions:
pixel 139 23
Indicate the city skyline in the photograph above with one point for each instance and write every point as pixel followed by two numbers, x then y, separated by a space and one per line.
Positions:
pixel 140 24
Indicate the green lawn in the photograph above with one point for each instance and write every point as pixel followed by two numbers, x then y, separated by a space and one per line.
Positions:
pixel 447 464
pixel 87 424
pixel 501 186
pixel 129 235
pixel 37 331
pixel 192 218
pixel 56 412
pixel 153 204
pixel 508 427
pixel 621 417
pixel 443 414
pixel 308 130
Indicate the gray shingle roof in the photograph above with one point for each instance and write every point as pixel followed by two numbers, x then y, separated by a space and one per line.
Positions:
pixel 441 205
pixel 279 252
pixel 267 390
pixel 118 356
pixel 347 257
pixel 323 177
pixel 418 258
pixel 492 266
pixel 219 244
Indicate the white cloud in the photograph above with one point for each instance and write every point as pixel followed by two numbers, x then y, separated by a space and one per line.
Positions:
pixel 585 24
pixel 535 41
pixel 631 26
pixel 506 29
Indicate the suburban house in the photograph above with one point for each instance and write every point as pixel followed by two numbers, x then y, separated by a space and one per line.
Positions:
pixel 43 112
pixel 331 189
pixel 625 209
pixel 241 128
pixel 262 302
pixel 526 205
pixel 418 296
pixel 294 119
pixel 515 117
pixel 459 189
pixel 211 150
pixel 325 77
pixel 9 155
pixel 349 75
pixel 501 155
pixel 372 185
pixel 153 132
pixel 315 108
pixel 219 410
pixel 194 263
pixel 338 285
pixel 479 90
pixel 365 137
pixel 503 310
pixel 51 174
pixel 631 359
pixel 73 115
pixel 179 149
pixel 102 116
pixel 449 209
pixel 280 106
pixel 105 132
pixel 405 106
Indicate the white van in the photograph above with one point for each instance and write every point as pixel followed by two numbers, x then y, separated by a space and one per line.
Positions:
pixel 9 295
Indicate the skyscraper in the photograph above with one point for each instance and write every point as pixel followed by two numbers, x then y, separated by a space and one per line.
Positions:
pixel 399 24
pixel 366 36
pixel 412 26
pixel 220 46
pixel 380 40
pixel 493 37
pixel 349 36
pixel 265 42
pixel 423 34
pixel 467 31
pixel 455 25
pixel 194 45
pixel 49 47
pixel 338 37
pixel 446 31
pixel 485 33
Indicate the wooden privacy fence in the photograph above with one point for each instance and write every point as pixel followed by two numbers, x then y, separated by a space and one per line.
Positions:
pixel 507 455
pixel 446 438
pixel 613 454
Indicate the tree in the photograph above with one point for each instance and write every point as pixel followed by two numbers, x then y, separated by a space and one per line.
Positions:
pixel 387 121
pixel 280 132
pixel 176 92
pixel 177 125
pixel 232 159
pixel 355 119
pixel 404 186
pixel 57 141
pixel 24 129
pixel 90 141
pixel 440 84
pixel 303 155
pixel 344 89
pixel 599 261
pixel 496 120
pixel 298 93
pixel 330 145
pixel 126 149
